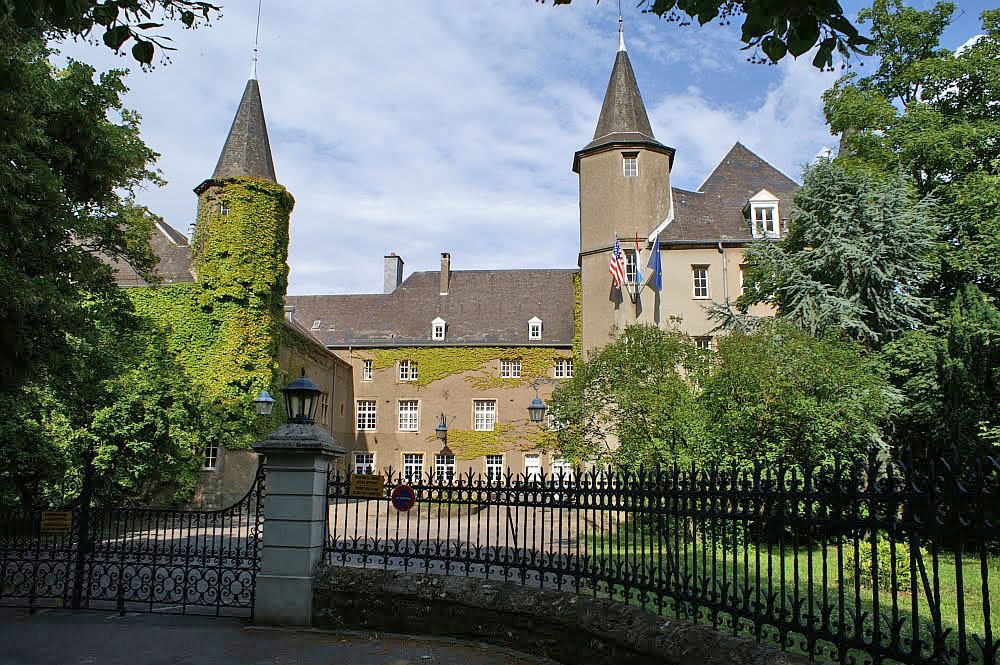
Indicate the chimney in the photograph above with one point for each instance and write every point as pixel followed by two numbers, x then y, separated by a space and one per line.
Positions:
pixel 392 275
pixel 445 272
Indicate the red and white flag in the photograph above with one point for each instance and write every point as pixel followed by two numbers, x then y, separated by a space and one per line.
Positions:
pixel 617 265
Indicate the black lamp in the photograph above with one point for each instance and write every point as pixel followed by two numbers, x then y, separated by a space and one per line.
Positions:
pixel 263 403
pixel 301 400
pixel 441 431
pixel 536 410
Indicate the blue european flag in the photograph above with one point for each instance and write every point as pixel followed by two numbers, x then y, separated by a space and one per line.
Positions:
pixel 654 265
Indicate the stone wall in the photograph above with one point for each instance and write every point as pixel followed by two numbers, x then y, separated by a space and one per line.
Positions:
pixel 565 627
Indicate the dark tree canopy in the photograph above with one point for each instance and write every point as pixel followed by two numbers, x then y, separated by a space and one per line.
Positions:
pixel 119 23
pixel 777 28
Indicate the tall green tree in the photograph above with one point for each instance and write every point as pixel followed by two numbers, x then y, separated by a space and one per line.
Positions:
pixel 632 401
pixel 781 395
pixel 950 378
pixel 69 173
pixel 932 113
pixel 855 260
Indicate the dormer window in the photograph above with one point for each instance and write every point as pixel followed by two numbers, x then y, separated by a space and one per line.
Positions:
pixel 763 213
pixel 437 329
pixel 316 324
pixel 630 164
pixel 535 328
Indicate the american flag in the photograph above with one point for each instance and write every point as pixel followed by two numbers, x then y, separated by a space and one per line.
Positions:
pixel 617 265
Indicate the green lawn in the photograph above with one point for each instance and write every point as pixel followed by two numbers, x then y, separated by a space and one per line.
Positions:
pixel 689 559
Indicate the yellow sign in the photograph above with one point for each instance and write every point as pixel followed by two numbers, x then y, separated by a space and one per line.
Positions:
pixel 57 521
pixel 365 486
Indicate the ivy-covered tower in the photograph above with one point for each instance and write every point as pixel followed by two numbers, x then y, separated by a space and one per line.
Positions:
pixel 240 259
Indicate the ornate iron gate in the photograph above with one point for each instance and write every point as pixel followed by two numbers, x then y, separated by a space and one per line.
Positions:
pixel 136 559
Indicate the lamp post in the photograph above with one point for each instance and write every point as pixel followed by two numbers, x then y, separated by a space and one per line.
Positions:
pixel 537 408
pixel 263 403
pixel 441 431
pixel 301 400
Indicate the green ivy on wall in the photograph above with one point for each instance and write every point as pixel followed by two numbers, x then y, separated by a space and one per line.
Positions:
pixel 436 363
pixel 577 317
pixel 225 330
pixel 505 437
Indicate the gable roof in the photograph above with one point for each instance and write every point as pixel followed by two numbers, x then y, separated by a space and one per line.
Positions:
pixel 247 151
pixel 174 251
pixel 482 308
pixel 715 211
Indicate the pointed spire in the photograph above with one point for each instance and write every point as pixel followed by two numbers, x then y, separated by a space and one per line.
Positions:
pixel 247 151
pixel 623 115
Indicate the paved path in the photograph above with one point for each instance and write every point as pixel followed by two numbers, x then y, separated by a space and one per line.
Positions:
pixel 62 637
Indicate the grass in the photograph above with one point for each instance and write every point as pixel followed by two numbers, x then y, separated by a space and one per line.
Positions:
pixel 690 559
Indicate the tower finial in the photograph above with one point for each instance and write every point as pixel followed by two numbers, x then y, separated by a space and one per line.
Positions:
pixel 256 37
pixel 621 29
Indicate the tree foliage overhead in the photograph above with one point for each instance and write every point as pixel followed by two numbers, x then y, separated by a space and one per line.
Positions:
pixel 777 28
pixel 933 114
pixel 120 23
pixel 856 257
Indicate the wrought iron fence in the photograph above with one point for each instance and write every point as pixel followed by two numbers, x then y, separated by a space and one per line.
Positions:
pixel 860 562
pixel 136 559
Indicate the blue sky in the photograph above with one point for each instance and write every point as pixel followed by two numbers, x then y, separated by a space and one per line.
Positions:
pixel 423 127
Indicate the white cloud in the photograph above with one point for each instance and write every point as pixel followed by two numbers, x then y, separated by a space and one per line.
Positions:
pixel 450 126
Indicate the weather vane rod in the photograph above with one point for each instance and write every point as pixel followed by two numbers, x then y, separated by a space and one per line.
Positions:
pixel 256 37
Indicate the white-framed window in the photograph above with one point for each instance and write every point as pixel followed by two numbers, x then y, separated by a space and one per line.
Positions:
pixel 211 461
pixel 324 408
pixel 742 278
pixel 561 470
pixel 413 466
pixel 630 267
pixel 437 328
pixel 551 424
pixel 703 343
pixel 364 462
pixel 532 468
pixel 510 368
pixel 407 370
pixel 484 415
pixel 699 281
pixel 494 467
pixel 365 410
pixel 223 209
pixel 564 368
pixel 534 328
pixel 409 415
pixel 766 222
pixel 630 164
pixel 444 468
pixel 366 370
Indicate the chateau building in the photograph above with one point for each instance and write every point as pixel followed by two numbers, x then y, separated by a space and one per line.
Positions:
pixel 474 346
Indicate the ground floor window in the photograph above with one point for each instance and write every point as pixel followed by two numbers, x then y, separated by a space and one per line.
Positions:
pixel 413 466
pixel 444 468
pixel 494 467
pixel 211 456
pixel 364 462
pixel 561 470
pixel 532 468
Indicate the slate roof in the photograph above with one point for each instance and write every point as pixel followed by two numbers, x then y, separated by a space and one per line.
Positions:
pixel 482 308
pixel 247 151
pixel 174 251
pixel 715 211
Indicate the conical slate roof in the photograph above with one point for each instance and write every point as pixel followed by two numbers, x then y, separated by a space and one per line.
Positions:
pixel 623 115
pixel 247 151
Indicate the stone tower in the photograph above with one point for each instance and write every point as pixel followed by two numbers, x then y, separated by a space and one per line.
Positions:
pixel 240 260
pixel 624 186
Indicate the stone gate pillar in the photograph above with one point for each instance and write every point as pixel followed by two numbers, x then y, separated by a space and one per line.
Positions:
pixel 297 460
